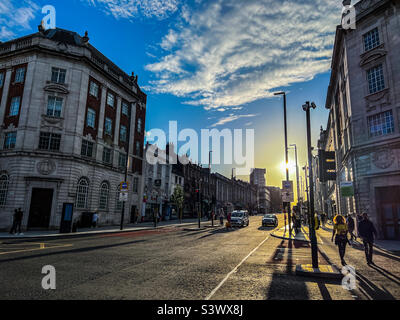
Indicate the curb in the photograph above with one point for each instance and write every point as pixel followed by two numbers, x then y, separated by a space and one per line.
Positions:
pixel 319 274
pixel 87 234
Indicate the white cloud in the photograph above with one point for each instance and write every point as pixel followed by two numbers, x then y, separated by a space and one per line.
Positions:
pixel 224 53
pixel 231 118
pixel 135 8
pixel 16 16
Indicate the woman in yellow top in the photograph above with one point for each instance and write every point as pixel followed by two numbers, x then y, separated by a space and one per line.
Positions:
pixel 341 240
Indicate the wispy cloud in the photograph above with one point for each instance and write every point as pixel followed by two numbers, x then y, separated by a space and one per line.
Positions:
pixel 137 8
pixel 232 117
pixel 16 16
pixel 224 53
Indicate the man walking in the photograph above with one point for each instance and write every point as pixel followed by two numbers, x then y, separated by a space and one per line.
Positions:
pixel 351 226
pixel 367 231
pixel 94 219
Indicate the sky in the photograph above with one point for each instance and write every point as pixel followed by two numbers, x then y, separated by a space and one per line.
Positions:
pixel 211 63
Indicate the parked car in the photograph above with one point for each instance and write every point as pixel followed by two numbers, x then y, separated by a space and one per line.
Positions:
pixel 270 220
pixel 240 218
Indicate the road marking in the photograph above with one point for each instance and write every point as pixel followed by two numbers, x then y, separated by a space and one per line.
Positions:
pixel 35 249
pixel 235 269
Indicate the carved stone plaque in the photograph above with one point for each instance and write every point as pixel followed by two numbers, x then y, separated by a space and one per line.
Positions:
pixel 383 159
pixel 46 167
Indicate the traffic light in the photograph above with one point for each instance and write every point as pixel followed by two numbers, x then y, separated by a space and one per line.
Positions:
pixel 327 165
pixel 197 195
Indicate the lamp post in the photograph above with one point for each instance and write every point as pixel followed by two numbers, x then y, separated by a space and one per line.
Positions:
pixel 297 173
pixel 286 155
pixel 314 247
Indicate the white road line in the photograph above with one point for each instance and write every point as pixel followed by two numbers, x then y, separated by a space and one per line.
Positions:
pixel 235 269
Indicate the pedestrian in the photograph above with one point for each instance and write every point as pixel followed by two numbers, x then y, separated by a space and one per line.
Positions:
pixel 221 217
pixel 95 217
pixel 137 216
pixel 17 221
pixel 367 231
pixel 317 221
pixel 323 219
pixel 228 218
pixel 340 230
pixel 351 227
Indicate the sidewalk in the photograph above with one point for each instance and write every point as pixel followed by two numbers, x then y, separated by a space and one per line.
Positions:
pixel 303 235
pixel 53 234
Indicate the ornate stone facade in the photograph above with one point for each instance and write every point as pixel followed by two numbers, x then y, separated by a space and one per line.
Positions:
pixel 61 139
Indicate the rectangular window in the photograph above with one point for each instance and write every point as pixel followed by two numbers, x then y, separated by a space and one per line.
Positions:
pixel 54 106
pixel 371 39
pixel 87 148
pixel 135 185
pixel 10 139
pixel 125 109
pixel 94 89
pixel 376 81
pixel 139 125
pixel 20 75
pixel 122 133
pixel 49 141
pixel 15 104
pixel 122 161
pixel 108 126
pixel 91 118
pixel 381 124
pixel 1 79
pixel 110 99
pixel 107 158
pixel 58 75
pixel 138 148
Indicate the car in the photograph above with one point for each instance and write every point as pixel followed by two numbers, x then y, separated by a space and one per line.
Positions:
pixel 270 220
pixel 240 218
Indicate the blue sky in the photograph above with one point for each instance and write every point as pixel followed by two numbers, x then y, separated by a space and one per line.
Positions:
pixel 213 63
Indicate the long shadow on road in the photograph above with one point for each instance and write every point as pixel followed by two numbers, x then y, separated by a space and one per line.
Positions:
pixel 77 250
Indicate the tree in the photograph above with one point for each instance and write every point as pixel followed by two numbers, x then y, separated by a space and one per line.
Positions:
pixel 177 198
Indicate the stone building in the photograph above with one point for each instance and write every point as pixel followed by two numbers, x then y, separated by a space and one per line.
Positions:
pixel 70 118
pixel 364 122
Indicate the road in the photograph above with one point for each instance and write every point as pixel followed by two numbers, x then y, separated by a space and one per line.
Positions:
pixel 169 263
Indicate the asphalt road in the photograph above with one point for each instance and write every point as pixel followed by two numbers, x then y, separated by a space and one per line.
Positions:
pixel 169 263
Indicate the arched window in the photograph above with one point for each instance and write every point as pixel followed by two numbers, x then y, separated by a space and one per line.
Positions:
pixel 118 204
pixel 82 193
pixel 3 189
pixel 104 191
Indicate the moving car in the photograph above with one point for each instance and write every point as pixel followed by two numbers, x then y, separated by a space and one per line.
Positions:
pixel 270 220
pixel 239 218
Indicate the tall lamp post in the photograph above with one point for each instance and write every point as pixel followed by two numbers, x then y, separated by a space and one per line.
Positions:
pixel 286 155
pixel 209 189
pixel 314 247
pixel 297 173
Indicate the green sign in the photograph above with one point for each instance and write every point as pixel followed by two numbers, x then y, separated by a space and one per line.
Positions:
pixel 347 189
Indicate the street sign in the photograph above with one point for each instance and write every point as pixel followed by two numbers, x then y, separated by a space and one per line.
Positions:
pixel 124 185
pixel 287 197
pixel 347 189
pixel 287 191
pixel 123 196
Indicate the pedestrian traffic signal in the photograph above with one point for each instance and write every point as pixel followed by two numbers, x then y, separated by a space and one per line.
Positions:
pixel 327 166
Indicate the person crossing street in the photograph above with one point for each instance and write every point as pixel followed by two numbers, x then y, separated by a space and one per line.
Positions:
pixel 367 233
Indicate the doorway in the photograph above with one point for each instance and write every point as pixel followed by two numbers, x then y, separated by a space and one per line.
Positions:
pixel 389 211
pixel 40 209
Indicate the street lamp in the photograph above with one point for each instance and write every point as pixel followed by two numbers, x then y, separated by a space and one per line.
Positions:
pixel 314 247
pixel 286 154
pixel 297 173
